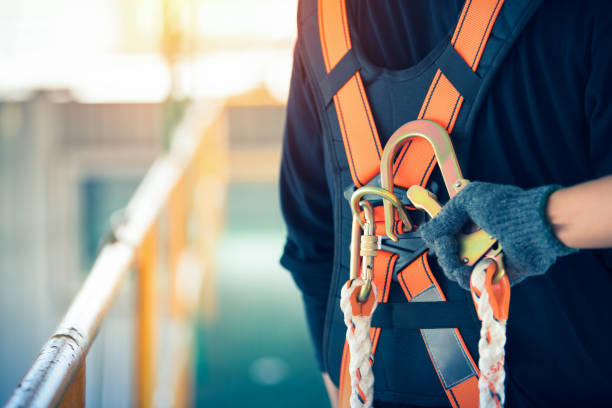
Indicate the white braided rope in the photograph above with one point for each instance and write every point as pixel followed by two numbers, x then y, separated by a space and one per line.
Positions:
pixel 360 346
pixel 491 361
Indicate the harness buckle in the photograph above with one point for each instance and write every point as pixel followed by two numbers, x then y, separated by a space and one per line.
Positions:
pixel 409 247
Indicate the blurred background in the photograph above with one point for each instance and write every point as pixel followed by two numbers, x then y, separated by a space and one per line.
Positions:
pixel 90 95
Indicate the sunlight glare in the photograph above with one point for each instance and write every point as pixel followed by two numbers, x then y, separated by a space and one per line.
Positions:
pixel 110 50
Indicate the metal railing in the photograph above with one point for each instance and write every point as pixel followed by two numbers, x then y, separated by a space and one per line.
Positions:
pixel 175 212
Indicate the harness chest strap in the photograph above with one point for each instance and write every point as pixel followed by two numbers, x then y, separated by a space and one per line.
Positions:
pixel 416 161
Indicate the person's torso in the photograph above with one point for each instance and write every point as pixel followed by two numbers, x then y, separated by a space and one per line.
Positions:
pixel 528 131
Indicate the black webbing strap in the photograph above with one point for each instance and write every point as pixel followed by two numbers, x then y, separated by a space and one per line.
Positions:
pixel 423 315
pixel 420 315
pixel 338 76
pixel 459 73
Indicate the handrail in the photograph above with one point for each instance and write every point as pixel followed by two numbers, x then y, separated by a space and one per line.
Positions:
pixel 133 242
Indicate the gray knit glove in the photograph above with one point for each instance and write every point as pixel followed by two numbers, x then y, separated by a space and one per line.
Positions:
pixel 514 216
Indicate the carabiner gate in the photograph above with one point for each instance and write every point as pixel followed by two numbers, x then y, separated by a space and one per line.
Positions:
pixel 388 198
pixel 364 245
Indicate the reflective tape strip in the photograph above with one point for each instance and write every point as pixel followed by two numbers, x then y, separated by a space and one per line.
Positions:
pixel 457 371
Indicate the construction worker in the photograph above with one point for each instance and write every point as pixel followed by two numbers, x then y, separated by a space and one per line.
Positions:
pixel 536 116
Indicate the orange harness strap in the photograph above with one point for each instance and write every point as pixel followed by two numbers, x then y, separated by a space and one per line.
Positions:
pixel 443 102
pixel 359 134
pixel 415 162
pixel 420 285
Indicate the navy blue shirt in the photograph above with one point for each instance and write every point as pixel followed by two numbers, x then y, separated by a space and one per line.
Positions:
pixel 547 119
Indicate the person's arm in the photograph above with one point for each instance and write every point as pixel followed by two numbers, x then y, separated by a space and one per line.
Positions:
pixel 581 215
pixel 307 209
pixel 534 227
pixel 537 226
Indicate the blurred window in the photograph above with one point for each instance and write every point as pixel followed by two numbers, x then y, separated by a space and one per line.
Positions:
pixel 100 197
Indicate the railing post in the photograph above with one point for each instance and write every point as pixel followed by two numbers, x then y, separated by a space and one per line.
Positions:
pixel 75 394
pixel 57 376
pixel 146 324
pixel 177 237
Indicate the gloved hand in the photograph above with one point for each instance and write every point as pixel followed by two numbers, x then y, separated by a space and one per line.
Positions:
pixel 516 217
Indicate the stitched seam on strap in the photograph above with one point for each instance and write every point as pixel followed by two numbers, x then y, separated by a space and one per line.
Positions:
pixel 346 141
pixel 453 112
pixel 433 90
pixel 405 285
pixel 467 9
pixel 427 171
pixel 432 356
pixel 451 124
pixel 401 158
pixel 459 381
pixel 485 34
pixel 391 262
pixel 373 131
pixel 455 399
pixel 344 22
pixel 322 35
pixel 467 358
pixel 436 365
pixel 425 268
pixel 365 108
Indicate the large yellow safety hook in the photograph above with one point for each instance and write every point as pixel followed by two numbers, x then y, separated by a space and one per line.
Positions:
pixel 445 156
pixel 473 246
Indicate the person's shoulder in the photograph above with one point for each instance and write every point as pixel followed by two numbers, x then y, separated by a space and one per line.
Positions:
pixel 571 23
pixel 306 10
pixel 581 12
pixel 574 4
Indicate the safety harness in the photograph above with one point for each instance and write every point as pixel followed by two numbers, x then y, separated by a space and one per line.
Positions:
pixel 491 289
pixel 457 81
